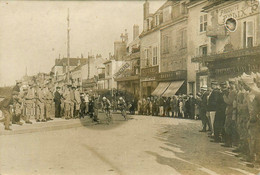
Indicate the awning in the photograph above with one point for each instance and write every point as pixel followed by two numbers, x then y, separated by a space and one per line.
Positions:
pixel 173 88
pixel 160 88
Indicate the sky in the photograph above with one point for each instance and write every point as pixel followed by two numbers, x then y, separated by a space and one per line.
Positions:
pixel 34 33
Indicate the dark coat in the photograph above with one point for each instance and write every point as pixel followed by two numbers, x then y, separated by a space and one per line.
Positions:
pixel 57 97
pixel 213 100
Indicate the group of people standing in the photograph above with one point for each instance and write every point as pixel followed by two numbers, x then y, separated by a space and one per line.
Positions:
pixel 32 102
pixel 230 111
pixel 182 106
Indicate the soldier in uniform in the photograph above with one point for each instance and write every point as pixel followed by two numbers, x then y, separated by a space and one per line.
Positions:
pixel 77 101
pixel 230 99
pixel 67 102
pixel 17 106
pixel 48 103
pixel 72 101
pixel 29 101
pixel 253 125
pixel 40 104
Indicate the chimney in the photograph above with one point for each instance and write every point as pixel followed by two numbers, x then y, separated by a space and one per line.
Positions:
pixel 135 31
pixel 82 56
pixel 146 9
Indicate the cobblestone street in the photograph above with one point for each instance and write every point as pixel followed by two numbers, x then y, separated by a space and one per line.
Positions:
pixel 141 145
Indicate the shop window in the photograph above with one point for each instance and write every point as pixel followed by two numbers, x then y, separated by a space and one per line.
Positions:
pixel 155 56
pixel 203 23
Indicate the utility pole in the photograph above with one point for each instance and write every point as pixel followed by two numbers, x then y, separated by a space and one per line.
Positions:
pixel 68 46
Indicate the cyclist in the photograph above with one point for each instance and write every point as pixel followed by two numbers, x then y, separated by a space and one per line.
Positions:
pixel 122 106
pixel 106 105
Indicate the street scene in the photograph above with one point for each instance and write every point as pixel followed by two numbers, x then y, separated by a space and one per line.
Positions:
pixel 122 87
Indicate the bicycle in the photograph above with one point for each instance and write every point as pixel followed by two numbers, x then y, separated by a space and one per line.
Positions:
pixel 108 115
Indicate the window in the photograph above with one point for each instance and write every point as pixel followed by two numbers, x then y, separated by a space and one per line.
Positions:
pixel 155 55
pixel 203 23
pixel 183 38
pixel 165 44
pixel 203 50
pixel 157 19
pixel 248 34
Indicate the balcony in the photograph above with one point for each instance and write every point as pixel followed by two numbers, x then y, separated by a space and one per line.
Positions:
pixel 237 53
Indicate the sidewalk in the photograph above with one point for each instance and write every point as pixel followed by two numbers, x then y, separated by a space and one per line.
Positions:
pixel 55 124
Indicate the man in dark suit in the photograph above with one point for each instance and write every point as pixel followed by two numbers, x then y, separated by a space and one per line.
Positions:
pixel 57 100
pixel 212 104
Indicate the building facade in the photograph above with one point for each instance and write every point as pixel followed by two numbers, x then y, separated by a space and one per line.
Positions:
pixel 234 48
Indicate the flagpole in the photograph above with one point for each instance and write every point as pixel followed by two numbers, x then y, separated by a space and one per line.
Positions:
pixel 68 45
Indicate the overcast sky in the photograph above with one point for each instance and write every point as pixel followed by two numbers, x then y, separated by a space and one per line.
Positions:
pixel 33 33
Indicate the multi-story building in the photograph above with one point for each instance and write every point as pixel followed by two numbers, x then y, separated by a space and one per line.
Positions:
pixel 164 50
pixel 111 67
pixel 149 49
pixel 234 33
pixel 198 44
pixel 128 77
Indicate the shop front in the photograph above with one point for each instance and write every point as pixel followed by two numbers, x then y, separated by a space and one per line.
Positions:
pixel 148 80
pixel 171 83
pixel 232 64
pixel 89 84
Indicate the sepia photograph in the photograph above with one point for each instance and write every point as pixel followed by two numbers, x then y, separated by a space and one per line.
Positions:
pixel 121 87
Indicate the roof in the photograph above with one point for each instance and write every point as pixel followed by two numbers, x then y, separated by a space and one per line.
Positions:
pixel 72 61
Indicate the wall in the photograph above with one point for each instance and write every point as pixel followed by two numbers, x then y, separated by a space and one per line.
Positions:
pixel 195 40
pixel 176 57
pixel 148 42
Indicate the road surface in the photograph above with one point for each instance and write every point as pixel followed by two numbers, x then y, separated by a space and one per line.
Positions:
pixel 142 145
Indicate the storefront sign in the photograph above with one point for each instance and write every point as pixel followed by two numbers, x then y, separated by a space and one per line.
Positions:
pixel 237 69
pixel 239 10
pixel 175 75
pixel 150 71
pixel 121 70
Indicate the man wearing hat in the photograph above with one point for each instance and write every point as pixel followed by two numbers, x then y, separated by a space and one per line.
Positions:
pixel 57 101
pixel 40 104
pixel 202 102
pixel 212 105
pixel 220 116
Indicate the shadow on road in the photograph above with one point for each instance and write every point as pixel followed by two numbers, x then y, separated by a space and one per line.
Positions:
pixel 117 120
